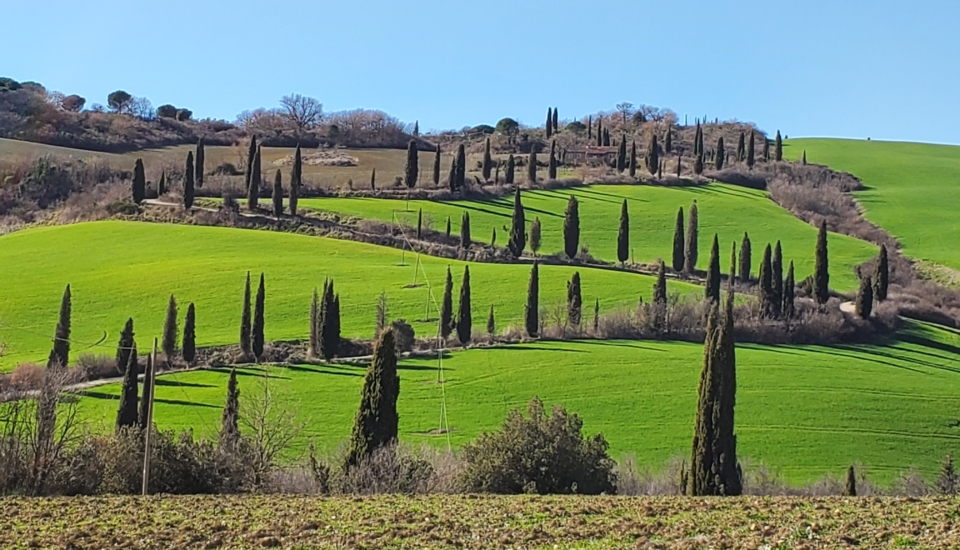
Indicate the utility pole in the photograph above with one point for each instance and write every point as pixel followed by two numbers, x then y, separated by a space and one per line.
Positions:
pixel 151 374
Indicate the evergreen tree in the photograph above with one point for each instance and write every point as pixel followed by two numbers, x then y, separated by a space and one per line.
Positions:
pixel 766 284
pixel 789 307
pixel 571 228
pixel 464 315
pixel 746 262
pixel 766 149
pixel 419 223
pixel 606 137
pixel 535 236
pixel 531 310
pixel 696 140
pixel 329 333
pixel 850 489
pixel 188 174
pixel 778 149
pixel 633 159
pixel 751 158
pixel 253 193
pixel 596 317
pixel 436 167
pixel 511 166
pixel 776 268
pixel 599 131
pixel 660 298
pixel 741 148
pixel 491 323
pixel 416 128
pixel 127 412
pixel 314 325
pixel 721 155
pixel 139 188
pixel 698 164
pixel 146 392
pixel 803 159
pixel 590 128
pixel 713 275
pixel 230 418
pixel 461 166
pixel 199 160
pixel 549 126
pixel 245 346
pixel 448 226
pixel 487 161
pixel 532 167
pixel 124 346
pixel 623 235
pixel 446 307
pixel 692 253
pixel 170 331
pixel 574 301
pixel 821 274
pixel 373 179
pixel 493 238
pixel 251 155
pixel 556 120
pixel 412 170
pixel 377 420
pixel 162 184
pixel 679 164
pixel 277 194
pixel 189 350
pixel 257 329
pixel 296 180
pixel 864 303
pixel 653 156
pixel 552 167
pixel 678 244
pixel 622 155
pixel 518 227
pixel 452 177
pixel 668 141
pixel 465 230
pixel 881 275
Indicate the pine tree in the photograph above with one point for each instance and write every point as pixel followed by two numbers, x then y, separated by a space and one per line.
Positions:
pixel 465 230
pixel 464 315
pixel 850 489
pixel 741 148
pixel 778 149
pixel 139 187
pixel 461 166
pixel 253 192
pixel 668 141
pixel 170 331
pixel 491 323
pixel 821 274
pixel 412 170
pixel 549 126
pixel 535 236
pixel 511 166
pixel 531 310
pixel 622 155
pixel 127 412
pixel 660 298
pixel 124 346
pixel 251 155
pixel 633 159
pixel 377 420
pixel 751 158
pixel 623 235
pixel 145 400
pixel 230 418
pixel 189 350
pixel 245 346
pixel 296 180
pixel 314 325
pixel 881 275
pixel 721 155
pixel 678 244
pixel 446 307
pixel 487 161
pixel 864 303
pixel 199 160
pixel 571 228
pixel 518 227
pixel 257 328
pixel 692 253
pixel 776 269
pixel 746 262
pixel 552 167
pixel 766 284
pixel 162 184
pixel 789 307
pixel 436 167
pixel 653 156
pixel 574 301
pixel 532 167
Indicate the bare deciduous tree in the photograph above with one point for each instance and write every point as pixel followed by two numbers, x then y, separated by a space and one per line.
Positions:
pixel 269 427
pixel 625 109
pixel 302 111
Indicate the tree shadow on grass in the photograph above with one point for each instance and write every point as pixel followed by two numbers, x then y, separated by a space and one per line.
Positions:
pixel 929 343
pixel 835 352
pixel 634 344
pixel 526 347
pixel 109 397
pixel 168 382
pixel 329 369
pixel 257 372
pixel 767 348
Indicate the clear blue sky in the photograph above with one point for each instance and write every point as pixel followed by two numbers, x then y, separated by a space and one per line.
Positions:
pixel 849 68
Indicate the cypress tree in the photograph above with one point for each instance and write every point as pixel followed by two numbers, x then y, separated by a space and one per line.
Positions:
pixel 552 169
pixel 590 127
pixel 493 238
pixel 776 265
pixel 230 418
pixel 653 156
pixel 606 137
pixel 487 161
pixel 464 315
pixel 549 126
pixel 314 325
pixel 535 236
pixel 803 159
pixel 162 184
pixel 145 400
pixel 532 167
pixel 668 141
pixel 778 149
pixel 623 234
pixel 296 180
pixel 660 297
pixel 124 346
pixel 633 159
pixel 277 194
pixel 864 303
pixel 491 323
pixel 461 166
pixel 556 120
pixel 412 170
pixel 251 155
pixel 947 482
pixel 189 350
pixel 188 174
pixel 253 193
pixel 245 346
pixel 329 333
pixel 335 326
pixel 821 274
pixel 698 164
pixel 596 317
pixel 436 168
pixel 718 161
pixel 465 230
pixel 678 244
pixel 170 330
pixel 448 226
pixel 377 420
pixel 419 223
pixel 881 275
pixel 622 154
pixel 741 148
pixel 679 164
pixel 850 489
pixel 257 328
pixel 139 188
pixel 751 158
pixel 511 166
pixel 696 140
pixel 571 228
pixel 518 227
pixel 599 131
pixel 199 160
pixel 713 275
pixel 766 149
pixel 789 307
pixel 692 254
pixel 127 412
pixel 531 310
pixel 746 262
pixel 574 301
pixel 452 177
pixel 766 284
pixel 446 307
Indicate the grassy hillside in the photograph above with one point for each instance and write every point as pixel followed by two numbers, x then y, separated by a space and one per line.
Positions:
pixel 723 209
pixel 804 410
pixel 913 189
pixel 123 269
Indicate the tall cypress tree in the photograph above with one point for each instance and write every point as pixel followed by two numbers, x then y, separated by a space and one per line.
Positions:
pixel 668 141
pixel 493 237
pixel 436 167
pixel 696 140
pixel 531 315
pixel 721 154
pixel 314 325
pixel 170 331
pixel 535 236
pixel 245 346
pixel 766 284
pixel 864 303
pixel 746 262
pixel 253 192
pixel 741 148
pixel 571 228
pixel 296 180
pixel 465 230
pixel 257 328
pixel 776 265
pixel 162 184
pixel 511 166
pixel 590 128
pixel 766 149
pixel 446 307
pixel 556 120
pixel 487 161
pixel 419 223
pixel 199 160
pixel 461 166
pixel 574 301
pixel 660 298
pixel 518 227
pixel 412 170
pixel 188 174
pixel 377 420
pixel 230 418
pixel 599 131
pixel 850 488
pixel 622 154
pixel 623 235
pixel 692 252
pixel 448 226
pixel 713 275
pixel 491 323
pixel 552 167
pixel 145 400
pixel 596 317
pixel 251 155
pixel 881 275
pixel 277 194
pixel 788 308
pixel 452 177
pixel 678 245
pixel 189 351
pixel 606 137
pixel 127 412
pixel 532 167
pixel 633 159
pixel 821 274
pixel 778 150
pixel 653 156
pixel 139 188
pixel 124 346
pixel 549 126
pixel 751 158
pixel 464 315
pixel 698 163
pixel 329 333
pixel 803 159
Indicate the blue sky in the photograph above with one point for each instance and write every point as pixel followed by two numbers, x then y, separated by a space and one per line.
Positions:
pixel 847 68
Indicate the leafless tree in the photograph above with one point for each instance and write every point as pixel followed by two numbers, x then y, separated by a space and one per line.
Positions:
pixel 141 107
pixel 302 111
pixel 625 109
pixel 268 427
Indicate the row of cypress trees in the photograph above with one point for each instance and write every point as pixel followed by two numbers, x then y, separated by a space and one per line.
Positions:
pixel 463 323
pixel 251 331
pixel 325 322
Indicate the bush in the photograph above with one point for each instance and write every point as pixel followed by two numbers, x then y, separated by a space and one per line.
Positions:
pixel 540 454
pixel 404 335
pixel 226 169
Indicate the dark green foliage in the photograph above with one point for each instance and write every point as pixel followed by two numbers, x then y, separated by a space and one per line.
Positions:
pixel 574 301
pixel 721 154
pixel 188 175
pixel 803 159
pixel 328 335
pixel 127 412
pixel 199 158
pixel 571 228
pixel 448 226
pixel 864 303
pixel 464 315
pixel 296 180
pixel 277 194
pixel 549 125
pixel 377 420
pixel 257 328
pixel 162 184
pixel 733 267
pixel 692 252
pixel 461 166
pixel 170 331
pixel 698 164
pixel 679 164
pixel 230 418
pixel 251 156
pixel 493 237
pixel 660 297
pixel 850 488
pixel 446 307
pixel 653 156
pixel 552 166
pixel 751 158
pixel 535 236
pixel 713 275
pixel 373 179
pixel 668 141
pixel 778 149
pixel 245 346
pixel 596 317
pixel 139 187
pixel 696 139
pixel 766 284
pixel 556 120
pixel 452 176
pixel 465 230
pixel 623 235
pixel 412 170
pixel 776 274
pixel 599 131
pixel 487 161
pixel 532 167
pixel 713 465
pixel 189 350
pixel 590 127
pixel 253 193
pixel 948 483
pixel 741 148
pixel 436 169
pixel 606 137
pixel 315 324
pixel 789 307
pixel 491 323
pixel 124 346
pixel 622 154
pixel 420 224
pixel 678 244
pixel 146 393
pixel 532 309
pixel 542 454
pixel 518 227
pixel 881 275
pixel 60 354
pixel 821 274
pixel 746 262
pixel 633 159
pixel 766 149
pixel 511 167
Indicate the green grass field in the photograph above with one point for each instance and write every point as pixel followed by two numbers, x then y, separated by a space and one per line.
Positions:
pixel 123 269
pixel 726 210
pixel 913 189
pixel 804 410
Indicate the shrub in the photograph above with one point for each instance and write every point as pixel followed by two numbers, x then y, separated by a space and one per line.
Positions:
pixel 226 169
pixel 403 334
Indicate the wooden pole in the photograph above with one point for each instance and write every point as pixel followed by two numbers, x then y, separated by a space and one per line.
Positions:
pixel 152 374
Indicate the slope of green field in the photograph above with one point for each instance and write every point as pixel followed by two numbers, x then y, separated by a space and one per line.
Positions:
pixel 723 209
pixel 804 410
pixel 913 189
pixel 123 269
